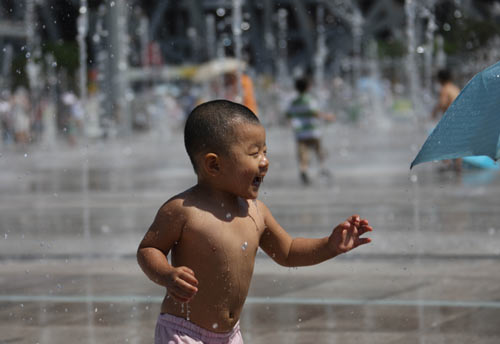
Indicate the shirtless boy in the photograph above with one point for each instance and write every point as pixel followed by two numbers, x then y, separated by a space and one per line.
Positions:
pixel 213 230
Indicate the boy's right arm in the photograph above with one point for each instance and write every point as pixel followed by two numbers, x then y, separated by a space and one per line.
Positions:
pixel 152 253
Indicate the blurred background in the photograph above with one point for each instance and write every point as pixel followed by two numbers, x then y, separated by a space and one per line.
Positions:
pixel 102 68
pixel 93 98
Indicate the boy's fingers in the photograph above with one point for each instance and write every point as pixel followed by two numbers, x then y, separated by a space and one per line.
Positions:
pixel 363 229
pixel 186 286
pixel 354 218
pixel 363 241
pixel 344 235
pixel 180 294
pixel 189 278
pixel 187 270
pixel 178 297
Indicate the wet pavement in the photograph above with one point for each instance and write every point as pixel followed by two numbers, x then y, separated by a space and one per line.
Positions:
pixel 71 219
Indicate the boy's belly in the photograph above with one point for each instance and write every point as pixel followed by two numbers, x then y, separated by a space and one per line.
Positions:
pixel 215 318
pixel 221 295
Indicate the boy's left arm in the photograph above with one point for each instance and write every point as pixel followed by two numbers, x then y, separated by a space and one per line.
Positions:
pixel 288 251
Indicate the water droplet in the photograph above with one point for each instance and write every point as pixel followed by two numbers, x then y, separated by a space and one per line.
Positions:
pixel 112 4
pixel 414 178
pixel 25 155
pixel 95 310
pixel 228 215
pixel 54 64
pixel 28 55
pixel 215 325
pixel 222 204
pixel 22 305
pixel 5 236
pixel 244 246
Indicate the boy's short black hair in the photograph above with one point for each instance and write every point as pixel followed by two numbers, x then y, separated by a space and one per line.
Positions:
pixel 210 127
pixel 444 75
pixel 302 84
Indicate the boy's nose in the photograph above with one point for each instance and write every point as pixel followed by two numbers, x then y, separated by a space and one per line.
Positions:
pixel 264 162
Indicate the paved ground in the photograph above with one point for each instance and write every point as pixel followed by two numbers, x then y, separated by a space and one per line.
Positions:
pixel 70 221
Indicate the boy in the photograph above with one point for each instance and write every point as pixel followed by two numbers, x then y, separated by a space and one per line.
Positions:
pixel 213 230
pixel 304 118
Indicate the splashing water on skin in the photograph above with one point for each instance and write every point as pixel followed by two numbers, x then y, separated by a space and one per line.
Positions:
pixel 244 246
pixel 188 312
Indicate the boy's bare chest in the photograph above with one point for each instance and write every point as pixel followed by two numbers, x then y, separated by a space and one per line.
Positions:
pixel 231 234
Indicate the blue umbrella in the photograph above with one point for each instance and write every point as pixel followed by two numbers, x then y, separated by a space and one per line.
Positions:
pixel 471 124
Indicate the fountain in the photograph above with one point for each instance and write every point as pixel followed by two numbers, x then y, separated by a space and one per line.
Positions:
pixel 237 43
pixel 96 195
pixel 281 61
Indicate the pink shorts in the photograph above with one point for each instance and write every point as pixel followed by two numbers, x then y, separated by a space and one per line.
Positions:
pixel 174 330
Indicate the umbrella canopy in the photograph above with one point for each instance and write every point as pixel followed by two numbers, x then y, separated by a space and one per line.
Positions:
pixel 471 124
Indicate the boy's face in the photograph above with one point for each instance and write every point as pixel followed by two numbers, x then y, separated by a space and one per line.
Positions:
pixel 244 168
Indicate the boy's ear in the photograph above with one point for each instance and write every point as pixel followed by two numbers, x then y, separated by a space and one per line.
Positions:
pixel 211 164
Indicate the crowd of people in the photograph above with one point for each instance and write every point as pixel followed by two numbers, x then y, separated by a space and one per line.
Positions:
pixel 24 120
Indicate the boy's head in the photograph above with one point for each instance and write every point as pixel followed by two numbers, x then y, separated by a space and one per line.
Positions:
pixel 210 128
pixel 302 84
pixel 444 76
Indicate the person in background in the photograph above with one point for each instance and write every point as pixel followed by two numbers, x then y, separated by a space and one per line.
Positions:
pixel 447 94
pixel 305 119
pixel 247 90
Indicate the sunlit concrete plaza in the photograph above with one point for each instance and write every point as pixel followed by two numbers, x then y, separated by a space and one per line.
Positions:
pixel 93 98
pixel 71 220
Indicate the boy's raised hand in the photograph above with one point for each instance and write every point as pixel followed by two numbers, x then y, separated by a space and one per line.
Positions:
pixel 182 285
pixel 346 236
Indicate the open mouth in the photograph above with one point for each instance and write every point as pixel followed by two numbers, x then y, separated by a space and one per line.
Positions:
pixel 257 181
